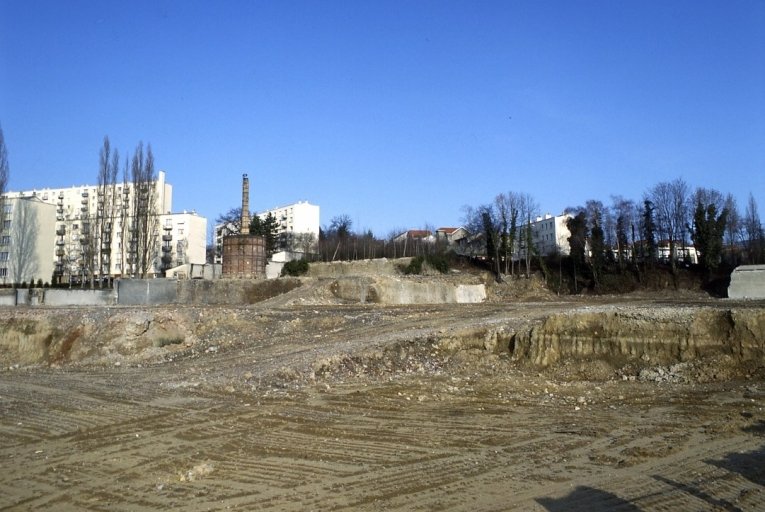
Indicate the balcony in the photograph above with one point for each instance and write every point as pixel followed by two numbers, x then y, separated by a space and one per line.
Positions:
pixel 84 240
pixel 166 248
pixel 60 231
pixel 60 209
pixel 60 252
pixel 84 209
pixel 60 242
pixel 167 259
pixel 85 194
pixel 167 238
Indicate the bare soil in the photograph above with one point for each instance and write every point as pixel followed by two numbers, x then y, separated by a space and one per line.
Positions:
pixel 298 403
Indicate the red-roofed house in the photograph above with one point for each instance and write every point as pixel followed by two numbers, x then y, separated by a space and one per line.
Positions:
pixel 452 236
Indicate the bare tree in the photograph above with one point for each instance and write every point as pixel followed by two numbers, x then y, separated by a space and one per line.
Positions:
pixel 508 210
pixel 670 200
pixel 707 196
pixel 528 209
pixel 231 221
pixel 144 222
pixel 106 209
pixel 626 215
pixel 733 227
pixel 126 255
pixel 485 224
pixel 340 230
pixel 24 231
pixel 4 174
pixel 753 232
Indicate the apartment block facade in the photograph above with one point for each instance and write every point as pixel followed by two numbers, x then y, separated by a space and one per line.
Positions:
pixel 26 233
pixel 550 234
pixel 96 234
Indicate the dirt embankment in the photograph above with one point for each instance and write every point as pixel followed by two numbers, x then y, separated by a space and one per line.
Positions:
pixel 319 340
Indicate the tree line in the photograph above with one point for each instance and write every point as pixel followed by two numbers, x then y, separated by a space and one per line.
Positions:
pixel 670 219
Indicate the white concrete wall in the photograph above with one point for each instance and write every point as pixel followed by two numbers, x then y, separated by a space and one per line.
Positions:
pixel 747 282
pixel 59 297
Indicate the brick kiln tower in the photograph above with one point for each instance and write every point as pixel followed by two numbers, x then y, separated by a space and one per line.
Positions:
pixel 244 255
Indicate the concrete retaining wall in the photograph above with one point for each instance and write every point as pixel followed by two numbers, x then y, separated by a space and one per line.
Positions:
pixel 135 292
pixel 376 267
pixel 7 297
pixel 57 297
pixel 386 290
pixel 233 291
pixel 220 291
pixel 747 282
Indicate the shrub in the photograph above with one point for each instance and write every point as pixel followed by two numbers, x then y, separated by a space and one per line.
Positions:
pixel 295 268
pixel 436 261
pixel 164 342
pixel 415 266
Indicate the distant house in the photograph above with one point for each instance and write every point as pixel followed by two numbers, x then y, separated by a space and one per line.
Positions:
pixel 452 236
pixel 683 252
pixel 422 235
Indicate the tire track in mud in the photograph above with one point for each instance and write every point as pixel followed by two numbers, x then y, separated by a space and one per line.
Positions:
pixel 401 445
pixel 171 436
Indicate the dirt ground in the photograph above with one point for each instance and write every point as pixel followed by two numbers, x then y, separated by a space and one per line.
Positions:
pixel 292 406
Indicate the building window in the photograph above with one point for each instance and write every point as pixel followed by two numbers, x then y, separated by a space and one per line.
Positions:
pixel 3 272
pixel 5 240
pixel 7 224
pixel 4 256
pixel 7 208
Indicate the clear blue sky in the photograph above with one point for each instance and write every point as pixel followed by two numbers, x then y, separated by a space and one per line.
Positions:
pixel 396 113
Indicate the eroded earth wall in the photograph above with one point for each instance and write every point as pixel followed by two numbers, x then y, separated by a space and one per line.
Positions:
pixel 617 335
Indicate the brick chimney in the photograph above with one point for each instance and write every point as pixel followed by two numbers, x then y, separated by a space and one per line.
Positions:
pixel 245 229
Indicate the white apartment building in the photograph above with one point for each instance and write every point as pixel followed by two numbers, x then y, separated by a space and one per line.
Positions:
pixel 549 235
pixel 300 217
pixel 26 251
pixel 298 229
pixel 184 239
pixel 94 233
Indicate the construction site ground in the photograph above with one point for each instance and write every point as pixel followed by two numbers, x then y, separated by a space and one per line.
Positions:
pixel 298 403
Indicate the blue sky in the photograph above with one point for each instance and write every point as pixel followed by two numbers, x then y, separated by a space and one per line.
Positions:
pixel 396 113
